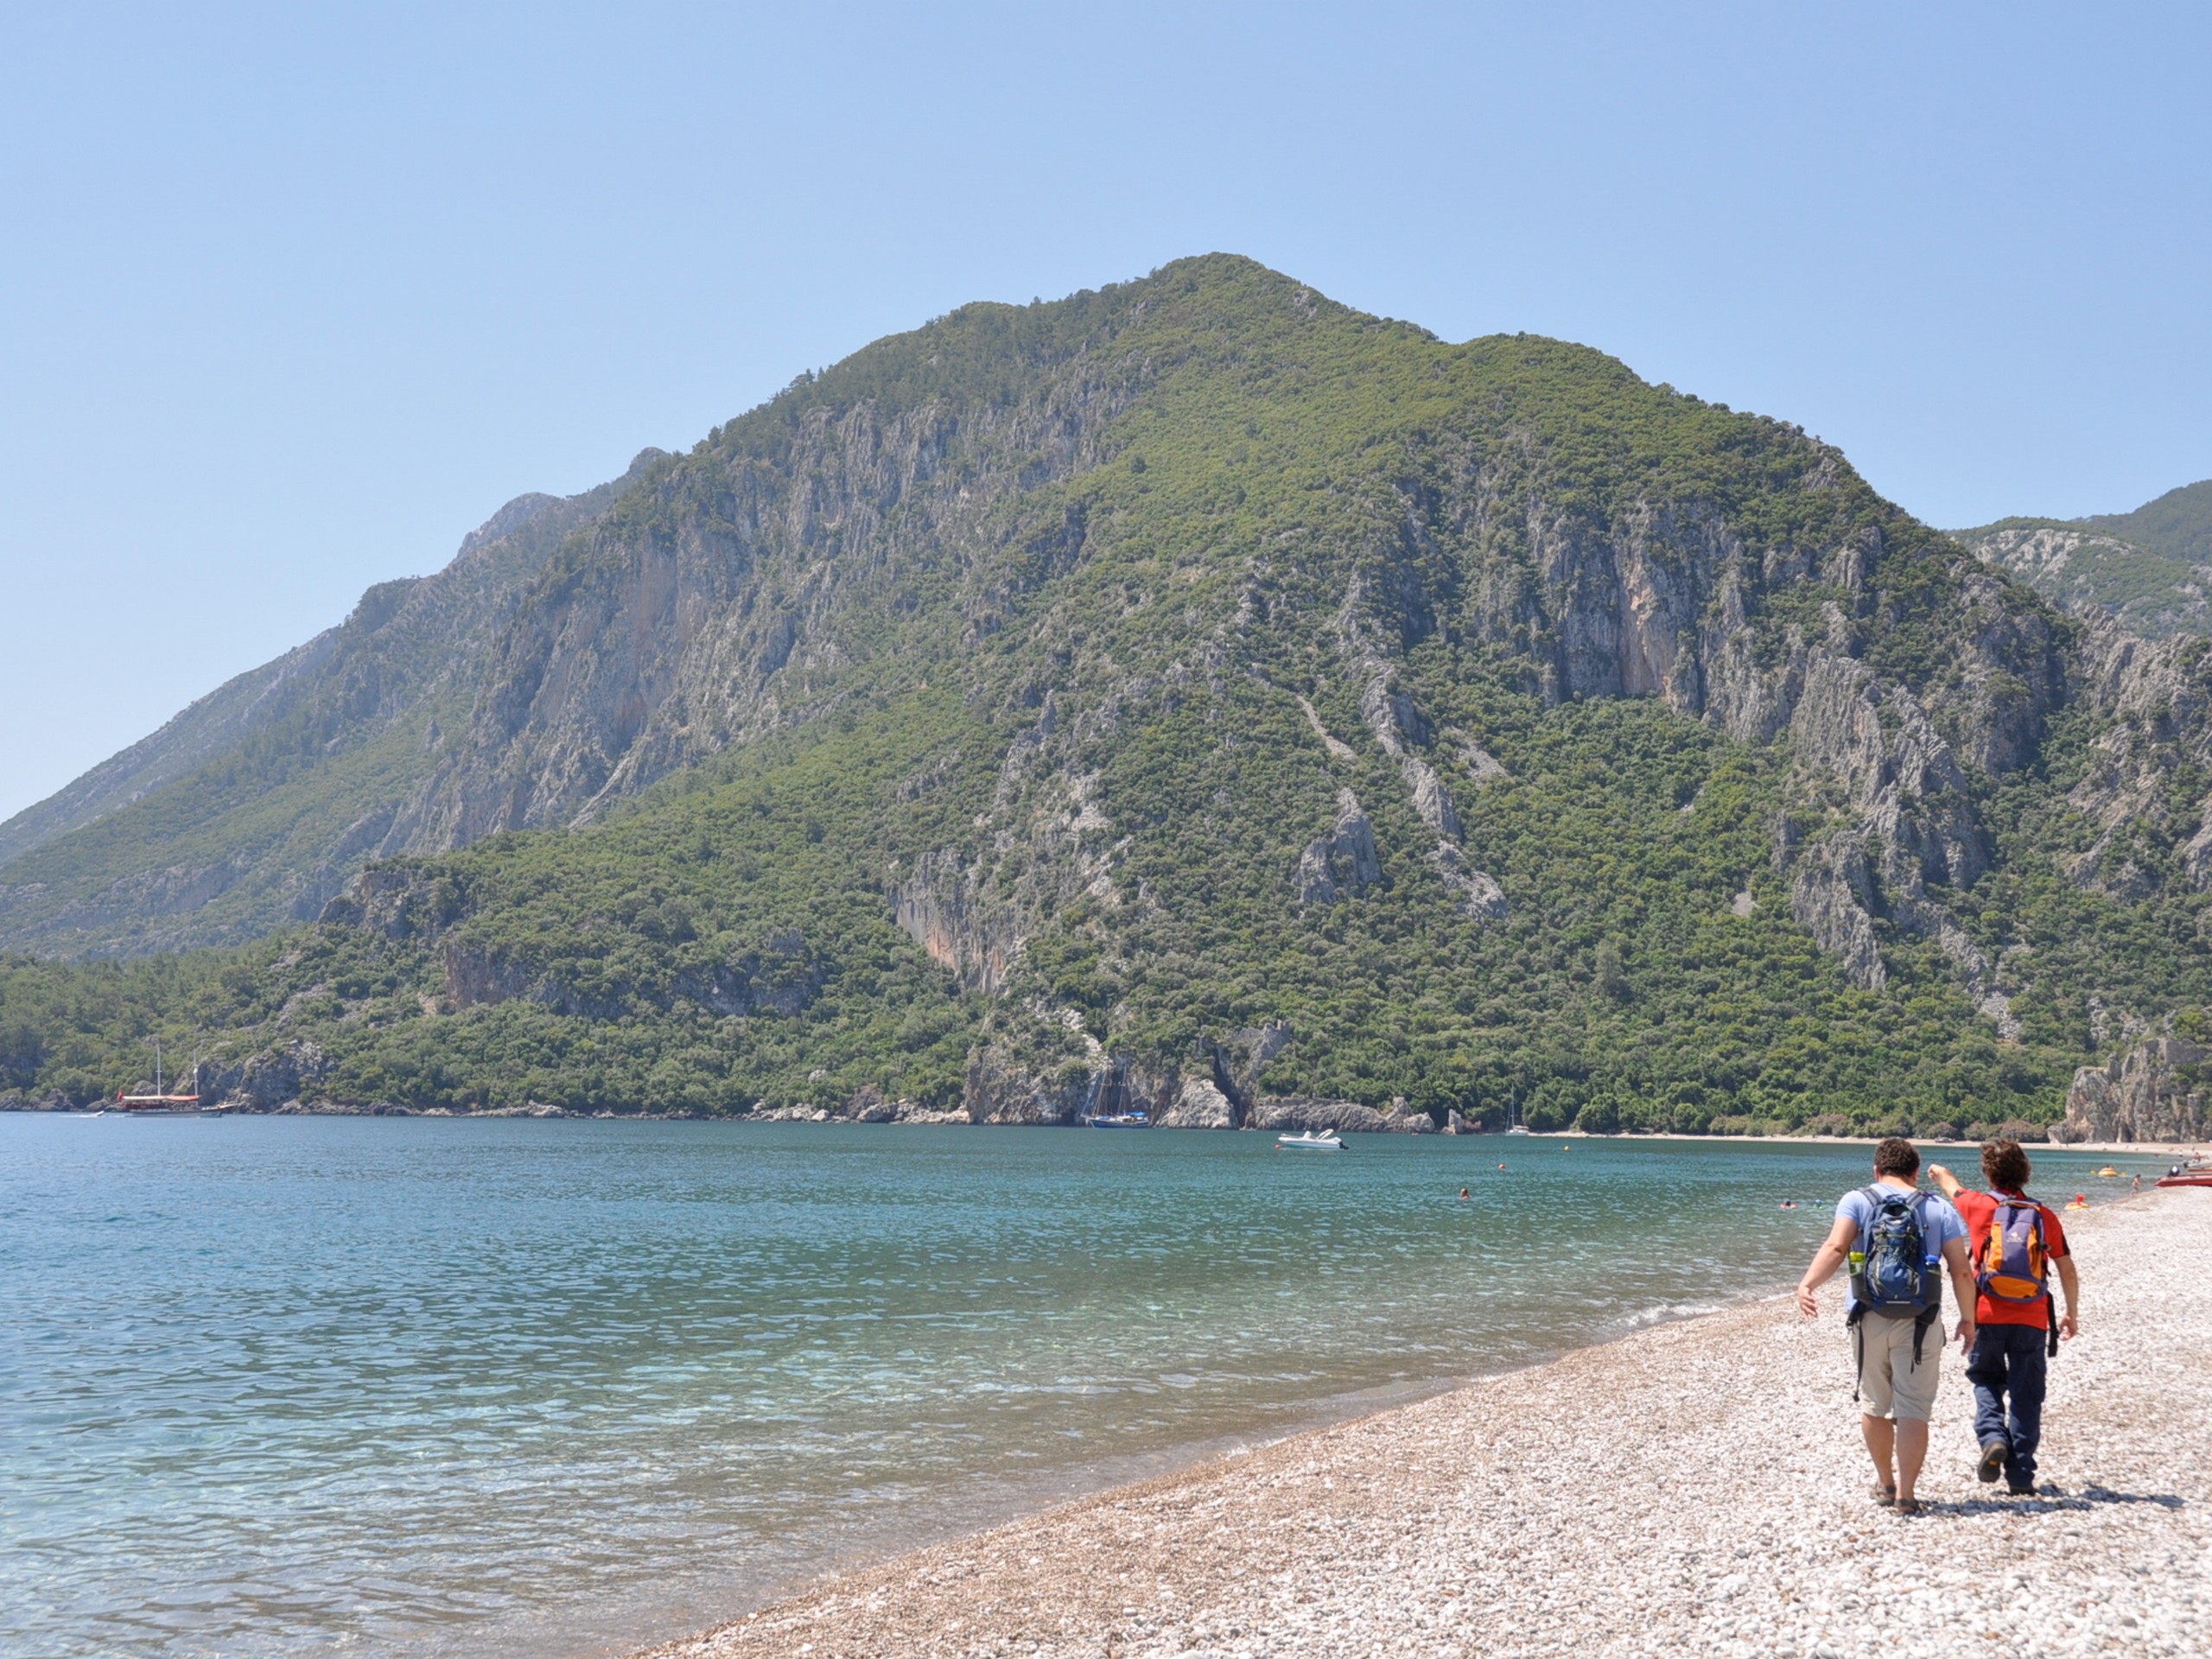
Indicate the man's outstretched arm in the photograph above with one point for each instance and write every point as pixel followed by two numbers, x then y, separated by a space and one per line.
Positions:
pixel 1826 1260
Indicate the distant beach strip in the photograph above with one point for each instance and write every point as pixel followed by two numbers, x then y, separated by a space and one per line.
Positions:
pixel 1698 1488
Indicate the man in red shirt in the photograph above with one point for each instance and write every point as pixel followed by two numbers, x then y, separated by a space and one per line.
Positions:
pixel 2013 1323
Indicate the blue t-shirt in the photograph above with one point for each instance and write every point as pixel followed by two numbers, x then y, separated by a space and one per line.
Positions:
pixel 1939 1223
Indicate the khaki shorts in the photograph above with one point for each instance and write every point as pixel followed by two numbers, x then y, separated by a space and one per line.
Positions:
pixel 1890 1384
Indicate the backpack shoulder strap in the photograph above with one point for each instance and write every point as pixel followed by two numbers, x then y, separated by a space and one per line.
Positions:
pixel 1873 1196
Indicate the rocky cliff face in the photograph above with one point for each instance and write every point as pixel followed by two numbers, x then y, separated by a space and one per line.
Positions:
pixel 728 594
pixel 2151 1091
pixel 2153 706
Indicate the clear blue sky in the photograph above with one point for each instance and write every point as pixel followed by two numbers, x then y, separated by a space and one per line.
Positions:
pixel 292 297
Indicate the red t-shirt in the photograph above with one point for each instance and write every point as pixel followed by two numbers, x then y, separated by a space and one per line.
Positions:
pixel 1978 1211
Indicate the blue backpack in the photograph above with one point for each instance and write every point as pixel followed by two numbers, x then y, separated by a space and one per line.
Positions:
pixel 1894 1272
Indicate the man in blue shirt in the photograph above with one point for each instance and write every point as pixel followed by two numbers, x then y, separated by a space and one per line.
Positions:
pixel 1898 1368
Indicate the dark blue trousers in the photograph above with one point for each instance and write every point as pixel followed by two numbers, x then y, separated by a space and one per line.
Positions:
pixel 2008 1374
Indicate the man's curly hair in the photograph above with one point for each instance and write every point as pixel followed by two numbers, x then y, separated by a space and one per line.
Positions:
pixel 1897 1156
pixel 2005 1166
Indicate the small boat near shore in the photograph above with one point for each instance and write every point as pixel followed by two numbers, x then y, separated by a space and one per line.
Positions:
pixel 2193 1172
pixel 159 1105
pixel 161 1102
pixel 1311 1140
pixel 1118 1120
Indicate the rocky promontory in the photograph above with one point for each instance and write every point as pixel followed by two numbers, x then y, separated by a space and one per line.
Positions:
pixel 2149 1092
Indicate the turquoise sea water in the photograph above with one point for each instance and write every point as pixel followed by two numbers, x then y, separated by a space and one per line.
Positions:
pixel 442 1386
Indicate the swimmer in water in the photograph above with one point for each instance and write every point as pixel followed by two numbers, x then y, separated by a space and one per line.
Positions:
pixel 1462 1191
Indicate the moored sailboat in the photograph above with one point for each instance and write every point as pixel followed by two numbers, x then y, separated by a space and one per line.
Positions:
pixel 159 1101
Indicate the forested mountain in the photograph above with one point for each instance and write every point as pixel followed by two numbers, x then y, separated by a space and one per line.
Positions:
pixel 2151 568
pixel 1197 691
pixel 2178 525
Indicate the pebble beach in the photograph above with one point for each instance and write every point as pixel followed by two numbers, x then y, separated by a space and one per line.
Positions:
pixel 1694 1488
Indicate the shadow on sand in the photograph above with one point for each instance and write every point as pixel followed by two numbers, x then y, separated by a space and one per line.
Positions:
pixel 2048 1501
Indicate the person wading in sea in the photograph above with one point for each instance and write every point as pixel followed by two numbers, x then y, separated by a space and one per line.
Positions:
pixel 2016 1242
pixel 1898 1241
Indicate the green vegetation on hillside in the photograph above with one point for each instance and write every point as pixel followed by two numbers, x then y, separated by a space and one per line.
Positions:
pixel 1625 835
pixel 1384 1000
pixel 2178 525
pixel 2151 568
pixel 1024 613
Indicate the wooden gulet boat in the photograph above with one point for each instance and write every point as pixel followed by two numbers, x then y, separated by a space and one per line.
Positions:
pixel 159 1101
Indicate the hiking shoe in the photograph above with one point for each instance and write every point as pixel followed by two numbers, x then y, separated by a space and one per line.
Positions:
pixel 1995 1456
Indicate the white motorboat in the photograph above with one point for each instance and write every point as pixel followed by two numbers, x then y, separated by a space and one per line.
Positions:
pixel 1311 1140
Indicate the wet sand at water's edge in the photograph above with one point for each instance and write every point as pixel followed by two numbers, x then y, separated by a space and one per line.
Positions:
pixel 1697 1487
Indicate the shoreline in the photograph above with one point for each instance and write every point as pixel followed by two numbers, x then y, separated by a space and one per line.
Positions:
pixel 1516 1513
pixel 1083 1485
pixel 936 1120
pixel 2107 1148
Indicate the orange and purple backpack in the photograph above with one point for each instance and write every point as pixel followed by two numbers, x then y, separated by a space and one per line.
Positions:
pixel 2015 1260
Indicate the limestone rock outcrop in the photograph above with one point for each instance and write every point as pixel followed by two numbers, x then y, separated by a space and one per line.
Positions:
pixel 1198 1105
pixel 1342 863
pixel 1292 1114
pixel 266 1080
pixel 2149 1092
pixel 944 907
pixel 1002 1088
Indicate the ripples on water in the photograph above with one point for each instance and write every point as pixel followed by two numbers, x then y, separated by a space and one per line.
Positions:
pixel 443 1386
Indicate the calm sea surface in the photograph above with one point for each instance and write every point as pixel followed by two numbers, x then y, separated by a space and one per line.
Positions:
pixel 448 1387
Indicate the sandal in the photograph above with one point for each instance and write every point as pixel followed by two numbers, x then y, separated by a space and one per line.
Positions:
pixel 1884 1495
pixel 1908 1506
